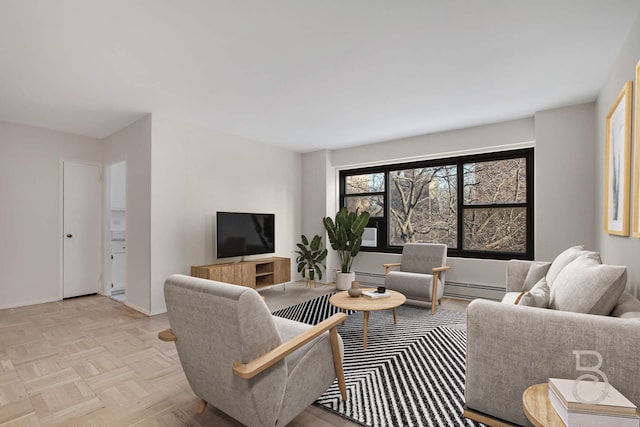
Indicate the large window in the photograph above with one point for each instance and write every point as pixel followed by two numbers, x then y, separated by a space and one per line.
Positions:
pixel 480 206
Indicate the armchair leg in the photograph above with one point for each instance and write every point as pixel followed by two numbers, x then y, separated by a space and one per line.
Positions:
pixel 202 407
pixel 337 362
pixel 434 292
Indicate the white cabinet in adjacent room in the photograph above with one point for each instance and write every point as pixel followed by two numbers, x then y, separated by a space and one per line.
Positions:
pixel 118 265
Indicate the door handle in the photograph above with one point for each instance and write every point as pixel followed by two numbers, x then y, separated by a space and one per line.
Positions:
pixel 69 236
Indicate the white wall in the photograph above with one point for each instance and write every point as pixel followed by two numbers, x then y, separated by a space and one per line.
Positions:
pixel 30 247
pixel 118 185
pixel 197 172
pixel 563 134
pixel 462 141
pixel 616 249
pixel 133 144
pixel 565 180
pixel 318 200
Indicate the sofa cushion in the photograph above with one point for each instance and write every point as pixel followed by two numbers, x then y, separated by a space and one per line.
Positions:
pixel 627 307
pixel 537 270
pixel 537 296
pixel 587 286
pixel 562 261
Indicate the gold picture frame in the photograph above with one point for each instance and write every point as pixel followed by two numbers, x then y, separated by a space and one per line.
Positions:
pixel 636 160
pixel 617 164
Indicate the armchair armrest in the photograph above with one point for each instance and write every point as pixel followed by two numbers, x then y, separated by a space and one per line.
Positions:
pixel 510 348
pixel 436 272
pixel 167 335
pixel 253 368
pixel 388 267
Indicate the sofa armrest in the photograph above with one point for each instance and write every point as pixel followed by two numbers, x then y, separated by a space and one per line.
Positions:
pixel 511 347
pixel 516 273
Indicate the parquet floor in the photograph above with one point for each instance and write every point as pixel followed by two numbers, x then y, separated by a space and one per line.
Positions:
pixel 91 361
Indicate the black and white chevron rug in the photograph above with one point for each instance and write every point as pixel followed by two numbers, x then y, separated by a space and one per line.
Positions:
pixel 412 373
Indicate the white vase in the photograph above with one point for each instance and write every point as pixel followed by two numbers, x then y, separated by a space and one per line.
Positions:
pixel 343 280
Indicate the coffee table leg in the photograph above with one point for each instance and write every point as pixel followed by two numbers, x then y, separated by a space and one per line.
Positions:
pixel 395 319
pixel 345 312
pixel 366 324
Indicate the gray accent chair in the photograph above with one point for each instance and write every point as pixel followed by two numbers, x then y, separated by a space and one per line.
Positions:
pixel 422 272
pixel 260 369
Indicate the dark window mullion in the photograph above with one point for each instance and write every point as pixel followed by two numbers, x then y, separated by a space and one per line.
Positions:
pixel 496 206
pixel 376 193
pixel 460 207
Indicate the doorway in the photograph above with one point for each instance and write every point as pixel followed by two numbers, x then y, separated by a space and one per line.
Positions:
pixel 81 250
pixel 117 229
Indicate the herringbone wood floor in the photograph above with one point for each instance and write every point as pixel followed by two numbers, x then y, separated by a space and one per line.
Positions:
pixel 91 361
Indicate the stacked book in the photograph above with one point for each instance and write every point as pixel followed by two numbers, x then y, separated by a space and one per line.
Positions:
pixel 591 404
pixel 376 295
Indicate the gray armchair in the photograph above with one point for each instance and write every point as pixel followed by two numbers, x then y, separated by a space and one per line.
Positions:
pixel 421 275
pixel 260 369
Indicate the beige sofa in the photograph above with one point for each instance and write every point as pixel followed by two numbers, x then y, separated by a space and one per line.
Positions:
pixel 511 347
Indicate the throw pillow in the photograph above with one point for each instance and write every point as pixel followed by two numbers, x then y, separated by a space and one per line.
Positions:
pixel 587 286
pixel 538 296
pixel 562 261
pixel 537 270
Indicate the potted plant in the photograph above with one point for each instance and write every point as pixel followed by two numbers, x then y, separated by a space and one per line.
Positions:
pixel 345 235
pixel 311 257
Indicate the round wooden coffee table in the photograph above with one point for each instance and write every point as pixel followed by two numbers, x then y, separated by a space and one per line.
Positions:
pixel 365 304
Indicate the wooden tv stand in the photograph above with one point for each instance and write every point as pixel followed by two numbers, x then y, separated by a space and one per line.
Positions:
pixel 253 274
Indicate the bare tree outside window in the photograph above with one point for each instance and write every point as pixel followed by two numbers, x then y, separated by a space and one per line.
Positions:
pixel 496 181
pixel 423 205
pixel 365 192
pixel 365 183
pixel 495 229
pixel 491 187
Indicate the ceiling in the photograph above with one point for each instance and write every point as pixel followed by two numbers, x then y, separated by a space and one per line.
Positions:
pixel 303 74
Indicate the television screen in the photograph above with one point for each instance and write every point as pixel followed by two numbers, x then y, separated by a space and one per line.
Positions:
pixel 239 234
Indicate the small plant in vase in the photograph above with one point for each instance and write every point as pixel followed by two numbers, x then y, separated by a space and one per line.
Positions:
pixel 311 258
pixel 345 235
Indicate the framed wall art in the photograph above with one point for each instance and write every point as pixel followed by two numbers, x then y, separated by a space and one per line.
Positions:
pixel 617 166
pixel 636 162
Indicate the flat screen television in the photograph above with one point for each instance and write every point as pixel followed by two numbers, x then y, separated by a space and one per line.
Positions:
pixel 243 233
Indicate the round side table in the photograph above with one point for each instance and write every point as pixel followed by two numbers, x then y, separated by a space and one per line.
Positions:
pixel 538 408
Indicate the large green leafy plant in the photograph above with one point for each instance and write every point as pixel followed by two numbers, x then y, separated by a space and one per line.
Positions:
pixel 311 257
pixel 345 235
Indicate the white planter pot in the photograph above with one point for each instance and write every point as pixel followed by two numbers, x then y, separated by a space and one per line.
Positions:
pixel 343 280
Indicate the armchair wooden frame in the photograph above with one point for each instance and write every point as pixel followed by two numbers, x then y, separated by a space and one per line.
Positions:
pixel 253 368
pixel 436 271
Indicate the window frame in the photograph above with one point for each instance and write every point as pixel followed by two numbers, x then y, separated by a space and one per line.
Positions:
pixel 382 223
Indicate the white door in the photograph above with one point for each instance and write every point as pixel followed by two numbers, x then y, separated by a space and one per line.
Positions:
pixel 82 195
